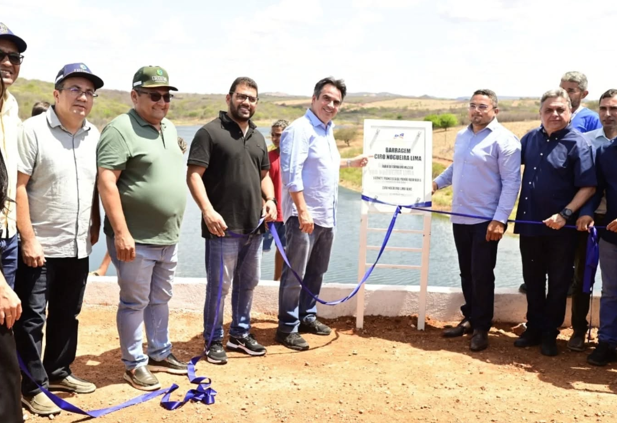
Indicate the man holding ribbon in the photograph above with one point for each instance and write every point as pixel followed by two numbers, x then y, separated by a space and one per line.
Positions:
pixel 603 209
pixel 310 164
pixel 228 178
pixel 485 176
pixel 559 178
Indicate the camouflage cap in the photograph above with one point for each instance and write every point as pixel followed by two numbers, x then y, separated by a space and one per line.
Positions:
pixel 152 77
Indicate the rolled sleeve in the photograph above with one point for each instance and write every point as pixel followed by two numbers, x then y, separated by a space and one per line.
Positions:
pixel 27 148
pixel 294 152
pixel 112 152
pixel 509 162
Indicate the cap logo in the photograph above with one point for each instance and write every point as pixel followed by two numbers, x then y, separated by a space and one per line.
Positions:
pixel 84 67
pixel 159 78
pixel 4 29
pixel 159 72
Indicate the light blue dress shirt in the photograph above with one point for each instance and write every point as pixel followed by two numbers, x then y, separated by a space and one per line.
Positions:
pixel 597 139
pixel 485 174
pixel 310 162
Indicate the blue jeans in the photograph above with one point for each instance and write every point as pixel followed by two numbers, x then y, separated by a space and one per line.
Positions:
pixel 608 301
pixel 241 259
pixel 145 290
pixel 269 239
pixel 309 256
pixel 8 249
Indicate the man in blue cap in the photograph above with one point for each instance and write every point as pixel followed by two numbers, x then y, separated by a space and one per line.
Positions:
pixel 11 47
pixel 58 221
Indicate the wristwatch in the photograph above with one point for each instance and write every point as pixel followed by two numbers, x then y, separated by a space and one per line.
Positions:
pixel 273 200
pixel 566 213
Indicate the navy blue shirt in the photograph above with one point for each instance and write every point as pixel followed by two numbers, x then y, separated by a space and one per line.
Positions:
pixel 606 169
pixel 555 168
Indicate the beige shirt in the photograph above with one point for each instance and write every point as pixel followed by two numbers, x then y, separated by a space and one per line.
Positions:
pixel 62 169
pixel 9 128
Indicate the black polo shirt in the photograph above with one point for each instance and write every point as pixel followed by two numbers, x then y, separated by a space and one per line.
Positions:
pixel 232 178
pixel 555 168
pixel 606 168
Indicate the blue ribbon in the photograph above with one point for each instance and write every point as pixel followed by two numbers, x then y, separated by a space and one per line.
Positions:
pixel 593 251
pixel 67 406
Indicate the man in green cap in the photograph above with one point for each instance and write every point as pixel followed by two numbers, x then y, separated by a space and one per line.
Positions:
pixel 141 183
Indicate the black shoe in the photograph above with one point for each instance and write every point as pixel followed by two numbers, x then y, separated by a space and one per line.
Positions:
pixel 315 327
pixel 479 340
pixel 602 355
pixel 549 346
pixel 292 341
pixel 458 330
pixel 522 289
pixel 169 364
pixel 577 341
pixel 247 344
pixel 141 378
pixel 528 339
pixel 216 354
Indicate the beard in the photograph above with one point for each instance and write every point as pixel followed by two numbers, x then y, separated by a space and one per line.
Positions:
pixel 234 110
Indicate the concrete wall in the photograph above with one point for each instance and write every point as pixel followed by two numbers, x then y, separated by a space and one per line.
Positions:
pixel 385 300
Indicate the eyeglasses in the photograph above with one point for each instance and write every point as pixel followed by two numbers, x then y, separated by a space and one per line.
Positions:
pixel 244 97
pixel 14 58
pixel 480 107
pixel 77 92
pixel 156 97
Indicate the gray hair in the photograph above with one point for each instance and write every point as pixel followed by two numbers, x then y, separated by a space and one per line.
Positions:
pixel 281 123
pixel 489 93
pixel 609 94
pixel 556 93
pixel 577 77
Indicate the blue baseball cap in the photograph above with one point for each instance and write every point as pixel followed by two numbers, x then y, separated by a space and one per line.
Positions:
pixel 7 34
pixel 80 70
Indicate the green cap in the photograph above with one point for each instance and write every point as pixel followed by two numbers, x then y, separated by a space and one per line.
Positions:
pixel 152 77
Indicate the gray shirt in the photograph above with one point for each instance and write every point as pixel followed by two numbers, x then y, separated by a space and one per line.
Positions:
pixel 62 169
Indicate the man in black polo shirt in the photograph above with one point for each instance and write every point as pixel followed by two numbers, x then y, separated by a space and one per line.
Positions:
pixel 228 176
pixel 559 178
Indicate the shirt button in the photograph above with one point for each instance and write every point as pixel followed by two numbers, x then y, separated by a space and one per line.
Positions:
pixel 530 183
pixel 534 168
pixel 525 198
pixel 542 154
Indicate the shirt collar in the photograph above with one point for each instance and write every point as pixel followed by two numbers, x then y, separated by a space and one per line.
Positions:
pixel 559 133
pixel 142 122
pixel 492 125
pixel 229 121
pixel 8 102
pixel 315 120
pixel 54 121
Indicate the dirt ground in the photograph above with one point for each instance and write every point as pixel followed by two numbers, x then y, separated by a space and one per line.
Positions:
pixel 389 372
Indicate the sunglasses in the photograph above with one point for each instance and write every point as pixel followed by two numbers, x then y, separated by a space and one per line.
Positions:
pixel 154 96
pixel 14 58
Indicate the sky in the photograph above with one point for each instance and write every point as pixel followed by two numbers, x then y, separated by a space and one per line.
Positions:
pixel 442 48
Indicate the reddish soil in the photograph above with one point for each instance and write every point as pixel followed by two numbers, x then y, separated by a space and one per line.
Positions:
pixel 389 372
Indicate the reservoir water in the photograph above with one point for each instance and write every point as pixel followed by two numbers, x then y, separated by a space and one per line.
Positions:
pixel 443 269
